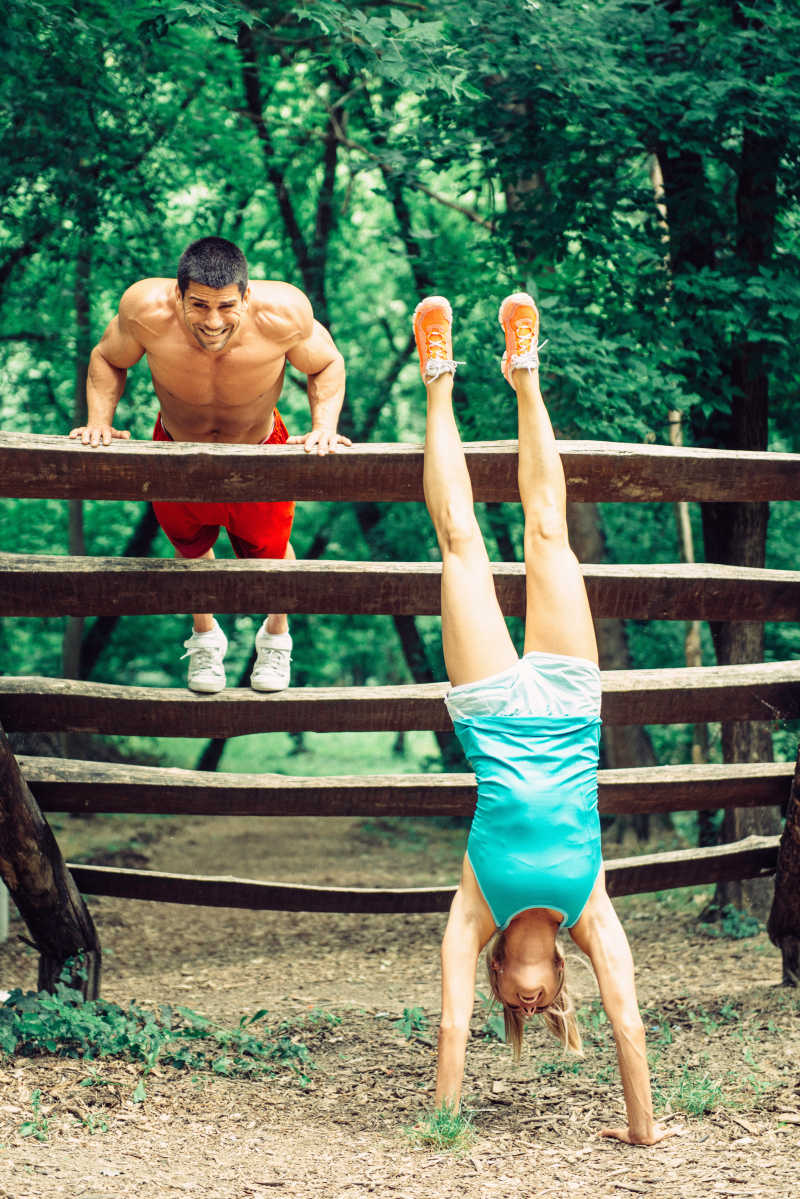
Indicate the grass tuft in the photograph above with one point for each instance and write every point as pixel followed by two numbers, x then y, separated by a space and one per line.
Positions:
pixel 446 1127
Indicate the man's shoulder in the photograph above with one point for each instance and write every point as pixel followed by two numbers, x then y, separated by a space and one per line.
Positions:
pixel 148 297
pixel 281 310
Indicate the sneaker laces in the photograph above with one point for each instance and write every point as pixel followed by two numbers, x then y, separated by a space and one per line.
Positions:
pixel 202 657
pixel 436 350
pixel 272 657
pixel 528 358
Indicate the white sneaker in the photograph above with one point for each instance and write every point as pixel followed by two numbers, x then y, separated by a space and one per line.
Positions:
pixel 272 668
pixel 205 652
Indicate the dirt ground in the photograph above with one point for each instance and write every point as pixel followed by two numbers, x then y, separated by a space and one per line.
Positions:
pixel 724 1039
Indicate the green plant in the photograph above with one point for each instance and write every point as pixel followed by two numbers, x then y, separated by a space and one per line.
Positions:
pixel 446 1127
pixel 38 1125
pixel 65 1025
pixel 413 1024
pixel 692 1092
pixel 555 1069
pixel 732 923
pixel 493 1027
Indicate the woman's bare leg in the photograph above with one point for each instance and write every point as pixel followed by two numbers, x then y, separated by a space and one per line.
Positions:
pixel 475 639
pixel 557 618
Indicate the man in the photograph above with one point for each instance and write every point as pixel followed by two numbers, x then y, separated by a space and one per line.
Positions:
pixel 217 347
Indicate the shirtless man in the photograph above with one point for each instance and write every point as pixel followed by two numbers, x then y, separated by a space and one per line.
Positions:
pixel 217 348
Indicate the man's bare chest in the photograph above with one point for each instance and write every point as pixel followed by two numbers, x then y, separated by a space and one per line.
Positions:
pixel 196 377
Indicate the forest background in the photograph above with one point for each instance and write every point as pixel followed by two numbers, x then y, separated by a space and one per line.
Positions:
pixel 633 163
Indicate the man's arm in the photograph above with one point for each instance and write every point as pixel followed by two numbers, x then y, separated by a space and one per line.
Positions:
pixel 117 350
pixel 601 936
pixel 317 357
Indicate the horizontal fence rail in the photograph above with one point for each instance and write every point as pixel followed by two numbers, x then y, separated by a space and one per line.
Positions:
pixel 687 695
pixel 754 857
pixel 58 585
pixel 63 785
pixel 58 468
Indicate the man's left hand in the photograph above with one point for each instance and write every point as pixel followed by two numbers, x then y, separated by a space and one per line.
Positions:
pixel 320 441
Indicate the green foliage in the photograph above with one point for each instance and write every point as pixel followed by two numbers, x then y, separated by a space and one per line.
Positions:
pixel 65 1025
pixel 490 1013
pixel 733 924
pixel 414 1025
pixel 692 1091
pixel 448 1127
pixel 37 1125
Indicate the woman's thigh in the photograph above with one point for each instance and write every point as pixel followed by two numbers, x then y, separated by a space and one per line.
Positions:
pixel 475 639
pixel 558 619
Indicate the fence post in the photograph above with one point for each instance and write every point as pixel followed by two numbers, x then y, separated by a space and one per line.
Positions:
pixel 43 889
pixel 783 925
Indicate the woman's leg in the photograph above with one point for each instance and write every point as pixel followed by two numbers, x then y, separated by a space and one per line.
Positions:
pixel 475 639
pixel 557 618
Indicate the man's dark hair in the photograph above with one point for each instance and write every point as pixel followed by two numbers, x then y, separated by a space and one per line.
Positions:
pixel 214 262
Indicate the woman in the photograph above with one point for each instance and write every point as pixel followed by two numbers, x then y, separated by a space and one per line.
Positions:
pixel 530 728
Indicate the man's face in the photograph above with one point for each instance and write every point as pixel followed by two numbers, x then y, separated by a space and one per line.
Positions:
pixel 212 315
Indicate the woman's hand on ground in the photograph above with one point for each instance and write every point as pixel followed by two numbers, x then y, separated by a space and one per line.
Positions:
pixel 660 1133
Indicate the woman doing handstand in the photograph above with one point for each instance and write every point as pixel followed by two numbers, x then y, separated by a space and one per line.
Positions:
pixel 530 728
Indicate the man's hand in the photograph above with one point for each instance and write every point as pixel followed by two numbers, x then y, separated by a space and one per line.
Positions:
pixel 94 435
pixel 321 441
pixel 659 1133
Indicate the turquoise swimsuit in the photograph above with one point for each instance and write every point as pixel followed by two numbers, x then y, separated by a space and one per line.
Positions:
pixel 535 835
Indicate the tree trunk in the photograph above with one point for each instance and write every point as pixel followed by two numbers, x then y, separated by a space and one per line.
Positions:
pixel 73 632
pixel 783 925
pixel 34 871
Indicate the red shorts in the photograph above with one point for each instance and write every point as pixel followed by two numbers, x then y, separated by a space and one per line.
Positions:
pixel 255 530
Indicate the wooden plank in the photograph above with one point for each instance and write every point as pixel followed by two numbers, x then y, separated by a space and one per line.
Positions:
pixel 754 857
pixel 763 690
pixel 62 785
pixel 56 585
pixel 55 467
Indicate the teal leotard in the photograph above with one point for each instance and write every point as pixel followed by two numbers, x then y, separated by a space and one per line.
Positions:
pixel 535 835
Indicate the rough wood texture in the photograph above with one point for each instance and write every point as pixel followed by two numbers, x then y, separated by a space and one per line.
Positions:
pixel 47 585
pixel 55 467
pixel 764 690
pixel 783 925
pixel 40 884
pixel 75 786
pixel 754 857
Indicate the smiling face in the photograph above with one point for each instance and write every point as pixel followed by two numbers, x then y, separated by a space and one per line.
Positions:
pixel 212 315
pixel 528 987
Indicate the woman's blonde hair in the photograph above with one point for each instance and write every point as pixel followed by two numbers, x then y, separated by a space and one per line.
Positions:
pixel 559 1015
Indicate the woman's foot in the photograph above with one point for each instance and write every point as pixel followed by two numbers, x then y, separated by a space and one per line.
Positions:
pixel 433 323
pixel 519 318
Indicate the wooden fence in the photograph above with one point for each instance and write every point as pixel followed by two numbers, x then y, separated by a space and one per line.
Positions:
pixel 45 585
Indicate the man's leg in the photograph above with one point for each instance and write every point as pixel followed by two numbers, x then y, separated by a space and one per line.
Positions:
pixel 205 649
pixel 193 529
pixel 475 639
pixel 558 619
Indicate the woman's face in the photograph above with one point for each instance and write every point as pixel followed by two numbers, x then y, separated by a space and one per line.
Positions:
pixel 528 987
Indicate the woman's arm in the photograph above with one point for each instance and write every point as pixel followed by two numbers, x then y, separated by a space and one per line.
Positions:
pixel 601 936
pixel 468 929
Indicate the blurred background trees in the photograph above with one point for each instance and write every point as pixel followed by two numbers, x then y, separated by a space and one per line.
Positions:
pixel 632 163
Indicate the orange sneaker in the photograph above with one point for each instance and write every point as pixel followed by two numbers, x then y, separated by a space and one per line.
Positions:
pixel 519 318
pixel 433 322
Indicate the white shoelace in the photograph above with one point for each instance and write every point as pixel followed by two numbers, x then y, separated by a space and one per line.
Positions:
pixel 202 657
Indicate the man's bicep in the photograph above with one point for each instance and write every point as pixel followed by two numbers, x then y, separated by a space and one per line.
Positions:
pixel 119 344
pixel 315 352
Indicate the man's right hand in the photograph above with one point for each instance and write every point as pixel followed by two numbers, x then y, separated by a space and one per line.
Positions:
pixel 99 434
